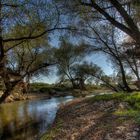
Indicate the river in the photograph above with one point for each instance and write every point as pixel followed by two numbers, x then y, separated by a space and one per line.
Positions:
pixel 28 120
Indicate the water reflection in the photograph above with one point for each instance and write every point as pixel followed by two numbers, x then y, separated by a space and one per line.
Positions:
pixel 28 120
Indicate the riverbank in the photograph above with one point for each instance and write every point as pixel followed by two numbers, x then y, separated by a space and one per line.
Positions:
pixel 33 96
pixel 45 95
pixel 52 93
pixel 103 117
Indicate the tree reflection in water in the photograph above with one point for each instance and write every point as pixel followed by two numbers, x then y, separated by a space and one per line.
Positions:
pixel 29 119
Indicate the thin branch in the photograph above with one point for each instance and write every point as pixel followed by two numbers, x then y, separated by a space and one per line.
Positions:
pixel 15 45
pixel 36 36
pixel 124 14
pixel 11 5
pixel 108 17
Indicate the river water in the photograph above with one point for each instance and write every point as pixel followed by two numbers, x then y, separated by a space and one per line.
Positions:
pixel 28 120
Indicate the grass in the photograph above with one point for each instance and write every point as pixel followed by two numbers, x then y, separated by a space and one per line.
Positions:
pixel 50 134
pixel 133 101
pixel 108 97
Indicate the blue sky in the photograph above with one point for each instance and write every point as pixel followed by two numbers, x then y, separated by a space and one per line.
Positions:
pixel 102 61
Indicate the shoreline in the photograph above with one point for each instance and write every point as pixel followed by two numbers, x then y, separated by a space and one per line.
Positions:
pixel 46 95
pixel 92 119
pixel 31 96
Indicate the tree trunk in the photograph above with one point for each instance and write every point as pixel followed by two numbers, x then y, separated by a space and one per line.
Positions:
pixel 4 96
pixel 109 85
pixel 126 87
pixel 82 84
pixel 73 84
pixel 131 30
pixel 106 83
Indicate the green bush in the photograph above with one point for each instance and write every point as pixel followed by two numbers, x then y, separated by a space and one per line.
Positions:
pixel 44 87
pixel 40 87
pixel 108 97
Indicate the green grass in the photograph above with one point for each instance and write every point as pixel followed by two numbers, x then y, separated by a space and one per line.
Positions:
pixel 108 97
pixel 129 113
pixel 50 134
pixel 132 99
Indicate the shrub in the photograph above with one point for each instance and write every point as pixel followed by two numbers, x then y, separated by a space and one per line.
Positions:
pixel 108 97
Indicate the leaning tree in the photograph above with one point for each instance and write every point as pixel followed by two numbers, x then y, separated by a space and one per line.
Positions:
pixel 21 22
pixel 126 16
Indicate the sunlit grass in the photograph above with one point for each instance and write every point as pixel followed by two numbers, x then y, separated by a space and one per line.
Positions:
pixel 108 97
pixel 129 113
pixel 132 99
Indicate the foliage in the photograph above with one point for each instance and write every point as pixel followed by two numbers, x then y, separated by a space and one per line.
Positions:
pixel 105 97
pixel 103 30
pixel 25 27
pixel 44 87
pixel 67 56
pixel 40 87
pixel 25 46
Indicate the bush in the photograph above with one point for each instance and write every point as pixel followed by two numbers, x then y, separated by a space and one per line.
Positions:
pixel 108 97
pixel 44 87
pixel 40 87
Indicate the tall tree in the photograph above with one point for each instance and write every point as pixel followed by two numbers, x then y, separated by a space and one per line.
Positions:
pixel 20 22
pixel 95 72
pixel 129 25
pixel 66 57
pixel 120 13
pixel 110 46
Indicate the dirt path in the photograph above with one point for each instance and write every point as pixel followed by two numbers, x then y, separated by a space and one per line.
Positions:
pixel 82 120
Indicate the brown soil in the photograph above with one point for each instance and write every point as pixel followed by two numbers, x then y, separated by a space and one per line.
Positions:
pixel 31 96
pixel 83 120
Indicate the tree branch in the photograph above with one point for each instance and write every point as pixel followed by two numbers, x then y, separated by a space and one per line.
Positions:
pixel 124 14
pixel 10 5
pixel 109 18
pixel 36 36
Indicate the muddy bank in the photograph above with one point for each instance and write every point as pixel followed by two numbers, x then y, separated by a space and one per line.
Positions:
pixel 45 95
pixel 30 96
pixel 83 119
